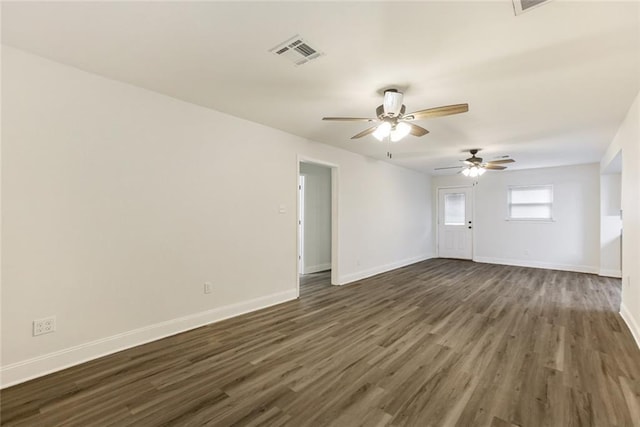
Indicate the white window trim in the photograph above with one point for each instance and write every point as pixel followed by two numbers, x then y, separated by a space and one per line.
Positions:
pixel 543 220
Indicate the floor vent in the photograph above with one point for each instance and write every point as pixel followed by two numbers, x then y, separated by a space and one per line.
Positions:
pixel 522 6
pixel 296 50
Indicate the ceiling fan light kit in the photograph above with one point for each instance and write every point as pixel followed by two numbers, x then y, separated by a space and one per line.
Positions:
pixel 382 131
pixel 473 171
pixel 394 123
pixel 402 129
pixel 396 133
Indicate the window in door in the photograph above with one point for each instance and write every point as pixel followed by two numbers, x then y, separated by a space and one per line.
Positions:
pixel 454 208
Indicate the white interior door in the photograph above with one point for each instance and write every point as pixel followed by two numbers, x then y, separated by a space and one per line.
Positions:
pixel 455 213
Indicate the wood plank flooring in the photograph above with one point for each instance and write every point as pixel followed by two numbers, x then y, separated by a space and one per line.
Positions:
pixel 438 343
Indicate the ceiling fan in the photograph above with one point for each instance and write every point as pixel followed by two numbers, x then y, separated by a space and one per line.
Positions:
pixel 393 121
pixel 473 166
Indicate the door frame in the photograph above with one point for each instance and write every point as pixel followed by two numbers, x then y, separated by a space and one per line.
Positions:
pixel 473 216
pixel 335 223
pixel 301 184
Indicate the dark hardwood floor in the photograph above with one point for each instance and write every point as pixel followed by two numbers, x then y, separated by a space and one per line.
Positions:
pixel 438 343
pixel 309 282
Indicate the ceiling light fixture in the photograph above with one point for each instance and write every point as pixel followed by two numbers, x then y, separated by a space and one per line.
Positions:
pixel 401 130
pixel 474 166
pixel 393 121
pixel 473 171
pixel 382 131
pixel 394 132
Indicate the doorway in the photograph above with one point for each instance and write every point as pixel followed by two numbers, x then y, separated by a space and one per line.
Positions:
pixel 455 222
pixel 611 218
pixel 316 218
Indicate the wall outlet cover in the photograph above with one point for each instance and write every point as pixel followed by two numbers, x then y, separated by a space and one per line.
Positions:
pixel 43 326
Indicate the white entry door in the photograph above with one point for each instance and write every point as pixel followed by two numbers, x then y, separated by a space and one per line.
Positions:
pixel 455 233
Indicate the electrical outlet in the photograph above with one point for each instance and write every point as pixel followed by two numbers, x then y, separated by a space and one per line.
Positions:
pixel 44 326
pixel 628 281
pixel 207 287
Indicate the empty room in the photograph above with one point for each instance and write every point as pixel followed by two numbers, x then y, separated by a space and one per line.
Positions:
pixel 298 213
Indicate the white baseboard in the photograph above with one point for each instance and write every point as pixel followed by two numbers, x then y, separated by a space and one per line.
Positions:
pixel 317 268
pixel 538 264
pixel 631 323
pixel 359 275
pixel 25 370
pixel 610 273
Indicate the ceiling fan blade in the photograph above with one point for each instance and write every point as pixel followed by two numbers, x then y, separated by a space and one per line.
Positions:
pixel 365 132
pixel 450 167
pixel 349 119
pixel 417 130
pixel 497 162
pixel 438 112
pixel 494 167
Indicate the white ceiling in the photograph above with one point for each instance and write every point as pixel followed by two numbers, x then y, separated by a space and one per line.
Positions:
pixel 548 87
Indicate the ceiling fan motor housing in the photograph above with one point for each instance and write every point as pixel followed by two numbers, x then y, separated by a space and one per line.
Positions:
pixel 392 104
pixel 473 159
pixel 380 112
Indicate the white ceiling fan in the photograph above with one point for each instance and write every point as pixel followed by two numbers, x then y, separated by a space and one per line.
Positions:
pixel 474 166
pixel 394 123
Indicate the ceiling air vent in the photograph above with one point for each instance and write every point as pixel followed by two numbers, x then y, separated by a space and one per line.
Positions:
pixel 521 6
pixel 296 50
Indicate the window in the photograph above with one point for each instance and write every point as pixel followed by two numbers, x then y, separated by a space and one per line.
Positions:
pixel 454 209
pixel 530 202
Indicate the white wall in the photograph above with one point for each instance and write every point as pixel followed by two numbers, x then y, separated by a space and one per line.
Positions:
pixel 317 218
pixel 627 141
pixel 119 203
pixel 570 242
pixel 610 225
